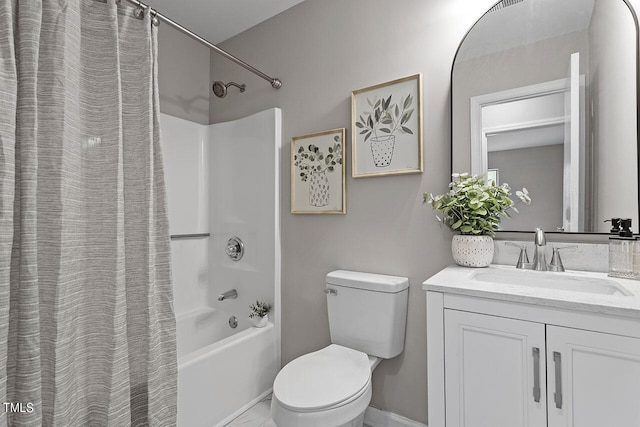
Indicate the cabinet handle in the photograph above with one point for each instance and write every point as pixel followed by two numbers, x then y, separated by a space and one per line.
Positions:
pixel 536 374
pixel 557 396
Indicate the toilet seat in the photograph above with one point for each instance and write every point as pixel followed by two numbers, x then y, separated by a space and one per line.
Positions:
pixel 323 380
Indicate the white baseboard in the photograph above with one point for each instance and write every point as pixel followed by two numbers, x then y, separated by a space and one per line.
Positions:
pixel 245 408
pixel 378 418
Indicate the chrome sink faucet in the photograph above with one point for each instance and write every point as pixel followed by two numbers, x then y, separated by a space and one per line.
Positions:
pixel 539 257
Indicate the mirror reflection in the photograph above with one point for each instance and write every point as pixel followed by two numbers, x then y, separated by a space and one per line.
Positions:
pixel 544 96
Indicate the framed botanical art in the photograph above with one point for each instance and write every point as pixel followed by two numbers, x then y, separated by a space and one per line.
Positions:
pixel 318 173
pixel 386 121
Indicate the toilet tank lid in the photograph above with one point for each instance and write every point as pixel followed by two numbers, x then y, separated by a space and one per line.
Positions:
pixel 368 281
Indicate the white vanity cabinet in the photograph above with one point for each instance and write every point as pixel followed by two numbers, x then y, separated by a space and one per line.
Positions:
pixel 593 378
pixel 497 374
pixel 508 360
pixel 494 371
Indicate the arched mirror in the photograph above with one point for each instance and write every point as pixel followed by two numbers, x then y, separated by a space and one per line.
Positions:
pixel 545 96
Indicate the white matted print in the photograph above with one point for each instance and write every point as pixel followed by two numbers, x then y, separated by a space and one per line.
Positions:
pixel 386 122
pixel 318 173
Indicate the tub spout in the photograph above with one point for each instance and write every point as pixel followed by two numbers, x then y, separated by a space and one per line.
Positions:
pixel 232 294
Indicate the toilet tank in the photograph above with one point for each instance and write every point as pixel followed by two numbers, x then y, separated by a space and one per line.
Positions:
pixel 368 312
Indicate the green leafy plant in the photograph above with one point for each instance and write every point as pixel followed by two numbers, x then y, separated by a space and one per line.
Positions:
pixel 311 159
pixel 474 205
pixel 260 309
pixel 386 117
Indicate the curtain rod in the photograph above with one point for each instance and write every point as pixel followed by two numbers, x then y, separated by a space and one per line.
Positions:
pixel 275 82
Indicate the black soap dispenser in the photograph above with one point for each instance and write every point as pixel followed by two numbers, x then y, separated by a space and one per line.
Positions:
pixel 615 225
pixel 625 228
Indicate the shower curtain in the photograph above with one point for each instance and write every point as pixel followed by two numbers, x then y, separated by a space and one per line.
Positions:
pixel 87 330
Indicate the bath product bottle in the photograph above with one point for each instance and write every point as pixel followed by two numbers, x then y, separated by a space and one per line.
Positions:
pixel 627 244
pixel 636 260
pixel 615 256
pixel 621 251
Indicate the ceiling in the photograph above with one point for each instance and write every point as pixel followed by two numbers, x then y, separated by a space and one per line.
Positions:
pixel 218 20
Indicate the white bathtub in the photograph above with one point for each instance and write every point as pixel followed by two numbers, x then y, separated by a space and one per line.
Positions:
pixel 221 372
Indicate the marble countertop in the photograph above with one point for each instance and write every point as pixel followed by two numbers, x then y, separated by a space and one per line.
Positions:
pixel 460 280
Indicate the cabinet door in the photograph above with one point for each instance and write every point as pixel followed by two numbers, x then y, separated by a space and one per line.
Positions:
pixel 593 379
pixel 494 371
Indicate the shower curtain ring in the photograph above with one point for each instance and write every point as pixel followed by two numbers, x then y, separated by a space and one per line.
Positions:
pixel 154 17
pixel 138 12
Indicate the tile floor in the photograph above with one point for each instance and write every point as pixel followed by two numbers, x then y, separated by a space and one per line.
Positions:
pixel 259 415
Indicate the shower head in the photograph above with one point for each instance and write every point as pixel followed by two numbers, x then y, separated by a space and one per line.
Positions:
pixel 220 89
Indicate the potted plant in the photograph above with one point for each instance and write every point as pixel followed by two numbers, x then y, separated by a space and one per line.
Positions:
pixel 259 313
pixel 314 165
pixel 380 126
pixel 474 208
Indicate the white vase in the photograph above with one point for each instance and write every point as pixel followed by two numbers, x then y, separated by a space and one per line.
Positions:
pixel 472 251
pixel 260 322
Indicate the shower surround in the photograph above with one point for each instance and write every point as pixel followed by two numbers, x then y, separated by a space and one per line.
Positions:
pixel 223 180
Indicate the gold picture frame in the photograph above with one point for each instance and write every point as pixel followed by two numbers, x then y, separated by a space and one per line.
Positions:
pixel 318 173
pixel 386 128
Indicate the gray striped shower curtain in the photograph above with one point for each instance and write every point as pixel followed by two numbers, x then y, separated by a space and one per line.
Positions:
pixel 87 330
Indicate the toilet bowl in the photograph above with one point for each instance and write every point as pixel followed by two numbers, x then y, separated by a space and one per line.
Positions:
pixel 332 386
pixel 329 387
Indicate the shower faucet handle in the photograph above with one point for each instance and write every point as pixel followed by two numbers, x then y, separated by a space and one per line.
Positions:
pixel 235 248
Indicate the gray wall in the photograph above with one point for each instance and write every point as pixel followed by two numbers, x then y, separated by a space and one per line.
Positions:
pixel 322 50
pixel 540 170
pixel 183 76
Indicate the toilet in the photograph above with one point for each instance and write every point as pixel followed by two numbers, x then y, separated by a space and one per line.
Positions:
pixel 331 387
